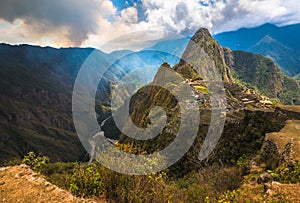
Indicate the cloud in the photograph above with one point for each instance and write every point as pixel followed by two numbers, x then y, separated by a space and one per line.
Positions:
pixel 80 17
pixel 129 15
pixel 94 22
pixel 220 15
pixel 177 15
pixel 20 32
pixel 233 14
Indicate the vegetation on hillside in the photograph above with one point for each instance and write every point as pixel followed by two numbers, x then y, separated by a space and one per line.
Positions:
pixel 262 74
pixel 279 43
pixel 94 180
pixel 218 178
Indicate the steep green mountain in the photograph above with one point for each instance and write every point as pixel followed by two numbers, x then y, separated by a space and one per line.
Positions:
pixel 249 114
pixel 286 57
pixel 203 39
pixel 36 90
pixel 263 74
pixel 259 72
pixel 35 115
pixel 282 44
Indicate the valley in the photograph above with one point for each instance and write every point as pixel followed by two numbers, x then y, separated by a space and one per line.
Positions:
pixel 260 133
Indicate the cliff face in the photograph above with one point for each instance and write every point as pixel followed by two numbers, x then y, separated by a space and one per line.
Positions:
pixel 285 143
pixel 263 74
pixel 204 41
pixel 254 70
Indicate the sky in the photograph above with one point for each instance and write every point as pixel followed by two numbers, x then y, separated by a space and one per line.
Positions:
pixel 132 24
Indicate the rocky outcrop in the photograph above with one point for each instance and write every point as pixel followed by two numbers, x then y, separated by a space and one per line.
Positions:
pixel 21 184
pixel 202 40
pixel 284 145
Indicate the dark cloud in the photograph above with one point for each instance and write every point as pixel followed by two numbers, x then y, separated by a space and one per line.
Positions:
pixel 80 16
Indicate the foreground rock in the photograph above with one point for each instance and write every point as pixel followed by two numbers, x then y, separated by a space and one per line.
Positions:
pixel 287 141
pixel 21 184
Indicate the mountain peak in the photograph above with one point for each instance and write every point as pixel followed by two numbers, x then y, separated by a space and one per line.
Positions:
pixel 211 48
pixel 267 39
pixel 201 34
pixel 269 25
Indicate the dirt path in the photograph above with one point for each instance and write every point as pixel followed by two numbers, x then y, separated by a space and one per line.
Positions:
pixel 21 184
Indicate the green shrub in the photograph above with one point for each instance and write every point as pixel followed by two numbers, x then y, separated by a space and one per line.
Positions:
pixel 86 182
pixel 59 173
pixel 287 173
pixel 94 180
pixel 59 168
pixel 244 164
pixel 229 197
pixel 269 155
pixel 37 163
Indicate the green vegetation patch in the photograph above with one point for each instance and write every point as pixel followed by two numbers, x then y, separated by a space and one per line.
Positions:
pixel 201 88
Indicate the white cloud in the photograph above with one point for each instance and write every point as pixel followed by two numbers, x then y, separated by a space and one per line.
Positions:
pixel 177 15
pixel 220 15
pixel 246 13
pixel 94 22
pixel 19 32
pixel 129 15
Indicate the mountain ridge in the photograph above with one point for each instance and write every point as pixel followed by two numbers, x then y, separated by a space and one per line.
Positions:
pixel 36 89
pixel 36 96
pixel 247 39
pixel 249 114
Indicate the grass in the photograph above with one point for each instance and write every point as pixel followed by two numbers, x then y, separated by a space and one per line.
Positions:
pixel 291 108
pixel 201 88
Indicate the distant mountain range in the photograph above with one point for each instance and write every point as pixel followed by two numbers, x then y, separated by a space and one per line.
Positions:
pixel 281 44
